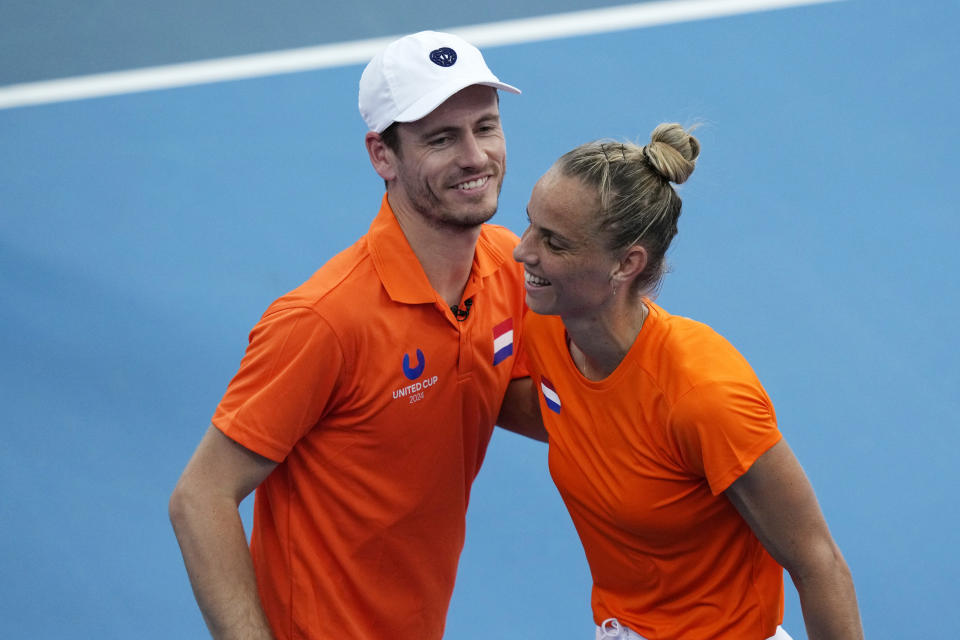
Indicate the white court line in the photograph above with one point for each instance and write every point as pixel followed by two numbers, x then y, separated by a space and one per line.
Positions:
pixel 360 51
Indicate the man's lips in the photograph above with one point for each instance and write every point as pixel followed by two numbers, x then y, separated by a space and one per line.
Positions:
pixel 475 183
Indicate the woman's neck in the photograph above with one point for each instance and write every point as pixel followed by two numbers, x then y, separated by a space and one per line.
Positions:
pixel 599 343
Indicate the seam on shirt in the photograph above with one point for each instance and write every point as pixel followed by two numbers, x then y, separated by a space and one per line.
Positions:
pixel 321 317
pixel 238 423
pixel 733 474
pixel 734 469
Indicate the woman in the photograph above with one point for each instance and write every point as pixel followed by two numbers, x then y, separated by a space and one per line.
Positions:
pixel 663 443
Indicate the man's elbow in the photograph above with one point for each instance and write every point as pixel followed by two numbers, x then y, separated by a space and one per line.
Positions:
pixel 184 500
pixel 176 507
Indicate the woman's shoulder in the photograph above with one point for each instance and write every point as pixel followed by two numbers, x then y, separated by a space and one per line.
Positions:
pixel 691 353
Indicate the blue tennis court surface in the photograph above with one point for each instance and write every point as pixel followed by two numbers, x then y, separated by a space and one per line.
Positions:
pixel 142 235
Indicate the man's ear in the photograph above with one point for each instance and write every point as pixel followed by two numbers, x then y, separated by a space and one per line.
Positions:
pixel 382 157
pixel 631 265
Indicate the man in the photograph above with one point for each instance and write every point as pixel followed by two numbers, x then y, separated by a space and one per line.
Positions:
pixel 367 396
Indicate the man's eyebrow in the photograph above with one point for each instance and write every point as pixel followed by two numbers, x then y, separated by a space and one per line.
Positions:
pixel 437 131
pixel 449 128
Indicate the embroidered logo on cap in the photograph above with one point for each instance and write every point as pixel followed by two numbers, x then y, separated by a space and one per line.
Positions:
pixel 444 56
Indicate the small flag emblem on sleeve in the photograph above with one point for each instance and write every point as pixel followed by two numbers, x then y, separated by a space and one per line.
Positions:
pixel 502 341
pixel 550 395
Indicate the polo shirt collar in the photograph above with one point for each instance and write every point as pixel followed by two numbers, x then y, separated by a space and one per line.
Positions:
pixel 400 271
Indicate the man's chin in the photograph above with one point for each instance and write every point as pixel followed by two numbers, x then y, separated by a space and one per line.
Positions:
pixel 469 216
pixel 483 214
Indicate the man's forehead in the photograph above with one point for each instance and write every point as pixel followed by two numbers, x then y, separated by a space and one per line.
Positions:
pixel 475 102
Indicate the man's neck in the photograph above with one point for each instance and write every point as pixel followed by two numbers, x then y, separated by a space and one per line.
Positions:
pixel 445 252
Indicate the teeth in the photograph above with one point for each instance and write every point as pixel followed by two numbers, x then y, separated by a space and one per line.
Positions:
pixel 534 280
pixel 473 184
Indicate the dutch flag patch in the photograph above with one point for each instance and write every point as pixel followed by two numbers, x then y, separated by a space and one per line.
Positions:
pixel 502 341
pixel 550 395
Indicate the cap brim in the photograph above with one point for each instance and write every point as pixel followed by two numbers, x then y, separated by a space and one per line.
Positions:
pixel 425 105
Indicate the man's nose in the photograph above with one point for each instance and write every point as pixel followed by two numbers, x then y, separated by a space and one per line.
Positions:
pixel 472 153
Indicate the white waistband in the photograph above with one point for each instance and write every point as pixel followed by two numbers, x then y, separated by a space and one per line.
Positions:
pixel 611 629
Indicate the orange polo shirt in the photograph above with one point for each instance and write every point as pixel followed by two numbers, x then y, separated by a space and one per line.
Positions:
pixel 641 459
pixel 378 404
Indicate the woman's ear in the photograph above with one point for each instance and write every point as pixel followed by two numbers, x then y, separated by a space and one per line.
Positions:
pixel 631 265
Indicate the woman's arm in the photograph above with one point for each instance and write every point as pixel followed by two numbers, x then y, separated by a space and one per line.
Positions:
pixel 776 500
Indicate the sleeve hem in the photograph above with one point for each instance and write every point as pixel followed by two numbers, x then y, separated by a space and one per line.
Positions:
pixel 723 483
pixel 249 440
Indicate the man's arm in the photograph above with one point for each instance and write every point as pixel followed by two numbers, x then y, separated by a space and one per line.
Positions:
pixel 203 511
pixel 520 411
pixel 777 501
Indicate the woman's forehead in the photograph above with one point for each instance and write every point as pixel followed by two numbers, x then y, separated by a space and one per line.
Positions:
pixel 563 200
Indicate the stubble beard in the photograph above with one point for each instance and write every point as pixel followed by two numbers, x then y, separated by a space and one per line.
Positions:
pixel 433 210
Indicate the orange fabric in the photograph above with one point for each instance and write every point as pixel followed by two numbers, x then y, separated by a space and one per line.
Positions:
pixel 379 406
pixel 641 459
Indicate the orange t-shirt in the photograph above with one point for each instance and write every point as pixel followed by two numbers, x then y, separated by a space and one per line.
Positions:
pixel 378 404
pixel 641 459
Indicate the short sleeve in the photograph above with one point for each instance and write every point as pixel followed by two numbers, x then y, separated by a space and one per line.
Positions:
pixel 287 378
pixel 721 428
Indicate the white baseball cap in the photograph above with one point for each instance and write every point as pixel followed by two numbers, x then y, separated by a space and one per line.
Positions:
pixel 414 75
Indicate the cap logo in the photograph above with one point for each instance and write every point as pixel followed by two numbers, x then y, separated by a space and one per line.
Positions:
pixel 444 56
